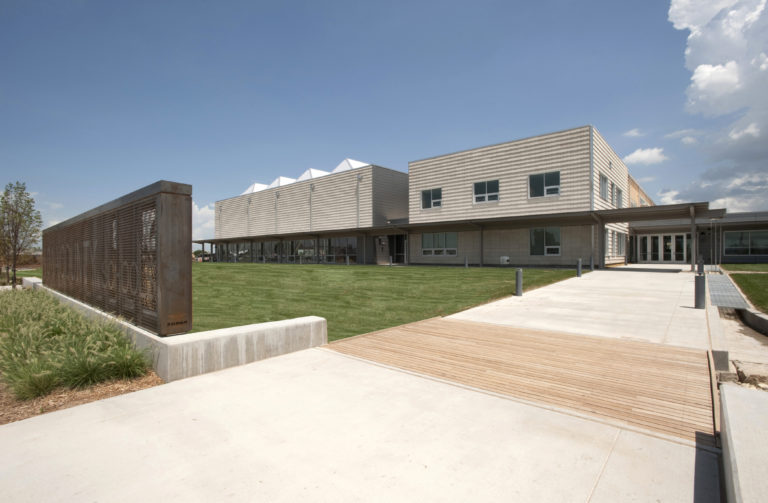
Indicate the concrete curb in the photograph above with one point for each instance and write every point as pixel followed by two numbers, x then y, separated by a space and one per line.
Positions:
pixel 745 421
pixel 181 356
pixel 717 340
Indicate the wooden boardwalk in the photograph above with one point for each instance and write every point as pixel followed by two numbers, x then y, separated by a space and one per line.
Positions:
pixel 650 386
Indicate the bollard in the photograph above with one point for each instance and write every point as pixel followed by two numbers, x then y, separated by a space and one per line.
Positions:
pixel 591 263
pixel 390 261
pixel 519 282
pixel 347 259
pixel 578 268
pixel 466 262
pixel 700 266
pixel 701 298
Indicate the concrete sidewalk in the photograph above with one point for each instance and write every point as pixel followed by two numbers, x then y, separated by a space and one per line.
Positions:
pixel 319 426
pixel 653 303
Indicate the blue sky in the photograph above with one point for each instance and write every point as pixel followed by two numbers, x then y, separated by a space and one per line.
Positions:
pixel 100 98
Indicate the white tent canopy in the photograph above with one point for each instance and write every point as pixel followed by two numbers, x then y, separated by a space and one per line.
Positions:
pixel 256 187
pixel 348 164
pixel 312 173
pixel 281 181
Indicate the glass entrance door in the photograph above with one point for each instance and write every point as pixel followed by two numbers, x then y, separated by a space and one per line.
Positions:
pixel 663 248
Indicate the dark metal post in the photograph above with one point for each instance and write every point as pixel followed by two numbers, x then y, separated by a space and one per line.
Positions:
pixel 519 282
pixel 700 291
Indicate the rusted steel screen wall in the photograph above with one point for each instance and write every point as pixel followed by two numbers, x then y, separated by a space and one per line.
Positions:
pixel 130 257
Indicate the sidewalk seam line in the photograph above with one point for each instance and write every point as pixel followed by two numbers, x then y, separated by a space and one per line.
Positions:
pixel 605 463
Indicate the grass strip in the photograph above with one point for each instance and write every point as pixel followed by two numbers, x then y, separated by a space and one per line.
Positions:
pixel 354 299
pixel 745 267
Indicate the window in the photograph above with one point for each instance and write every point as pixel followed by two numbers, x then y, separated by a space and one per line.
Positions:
pixel 431 198
pixel 439 243
pixel 486 191
pixel 604 187
pixel 619 198
pixel 544 184
pixel 545 241
pixel 613 193
pixel 746 243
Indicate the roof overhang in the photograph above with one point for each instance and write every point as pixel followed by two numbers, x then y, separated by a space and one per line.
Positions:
pixel 622 215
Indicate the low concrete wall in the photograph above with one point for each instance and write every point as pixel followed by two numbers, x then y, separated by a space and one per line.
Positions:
pixel 744 415
pixel 754 319
pixel 198 353
pixel 30 282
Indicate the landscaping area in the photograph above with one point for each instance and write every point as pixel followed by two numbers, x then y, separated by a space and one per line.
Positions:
pixel 53 356
pixel 752 279
pixel 354 299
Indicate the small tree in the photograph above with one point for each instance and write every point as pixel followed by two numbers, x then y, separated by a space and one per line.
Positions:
pixel 20 225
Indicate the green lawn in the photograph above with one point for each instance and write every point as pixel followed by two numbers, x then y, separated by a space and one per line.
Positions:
pixel 354 299
pixel 745 267
pixel 30 273
pixel 755 287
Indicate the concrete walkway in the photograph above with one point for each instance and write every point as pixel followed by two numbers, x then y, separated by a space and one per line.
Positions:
pixel 319 426
pixel 651 303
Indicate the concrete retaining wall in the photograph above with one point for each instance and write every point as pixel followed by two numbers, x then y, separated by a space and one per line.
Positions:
pixel 754 319
pixel 744 415
pixel 198 353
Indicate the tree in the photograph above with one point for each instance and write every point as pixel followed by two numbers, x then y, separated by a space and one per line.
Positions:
pixel 20 225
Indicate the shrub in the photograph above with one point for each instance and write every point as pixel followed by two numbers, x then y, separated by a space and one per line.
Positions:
pixel 44 344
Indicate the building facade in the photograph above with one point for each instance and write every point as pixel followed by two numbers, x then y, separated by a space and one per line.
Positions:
pixel 548 200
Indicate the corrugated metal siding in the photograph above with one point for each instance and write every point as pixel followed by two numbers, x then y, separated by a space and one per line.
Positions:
pixel 390 195
pixel 510 163
pixel 514 243
pixel 609 164
pixel 285 210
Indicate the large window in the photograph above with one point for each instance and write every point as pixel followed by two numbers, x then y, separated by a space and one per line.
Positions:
pixel 604 187
pixel 431 198
pixel 545 241
pixel 746 242
pixel 544 184
pixel 619 198
pixel 439 243
pixel 486 191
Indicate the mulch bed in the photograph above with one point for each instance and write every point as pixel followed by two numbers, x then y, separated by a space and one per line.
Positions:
pixel 12 409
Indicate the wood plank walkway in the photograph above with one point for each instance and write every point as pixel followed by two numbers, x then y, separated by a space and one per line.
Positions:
pixel 651 386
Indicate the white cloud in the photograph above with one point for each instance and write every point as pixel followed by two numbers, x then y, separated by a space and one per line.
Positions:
pixel 669 196
pixel 51 223
pixel 646 179
pixel 680 133
pixel 714 81
pixel 751 130
pixel 203 222
pixel 726 55
pixel 646 156
pixel 634 133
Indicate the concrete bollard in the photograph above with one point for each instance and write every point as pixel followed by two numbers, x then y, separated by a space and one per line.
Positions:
pixel 390 261
pixel 578 268
pixel 466 262
pixel 591 263
pixel 519 282
pixel 700 292
pixel 347 259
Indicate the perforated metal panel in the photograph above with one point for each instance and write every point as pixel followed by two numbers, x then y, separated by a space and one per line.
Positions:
pixel 130 257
